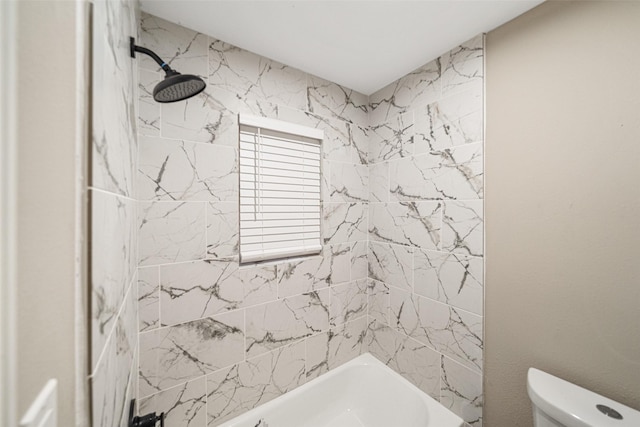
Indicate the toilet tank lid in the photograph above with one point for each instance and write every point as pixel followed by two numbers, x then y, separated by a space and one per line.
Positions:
pixel 573 405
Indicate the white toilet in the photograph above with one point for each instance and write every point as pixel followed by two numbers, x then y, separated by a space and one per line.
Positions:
pixel 558 403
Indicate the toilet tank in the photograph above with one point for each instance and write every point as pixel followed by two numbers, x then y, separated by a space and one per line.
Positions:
pixel 541 419
pixel 558 403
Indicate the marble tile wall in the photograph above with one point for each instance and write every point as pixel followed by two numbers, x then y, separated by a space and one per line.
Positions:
pixel 401 274
pixel 217 338
pixel 113 218
pixel 425 252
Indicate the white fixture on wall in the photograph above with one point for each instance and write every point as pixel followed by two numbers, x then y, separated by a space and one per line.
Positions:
pixel 44 410
pixel 559 403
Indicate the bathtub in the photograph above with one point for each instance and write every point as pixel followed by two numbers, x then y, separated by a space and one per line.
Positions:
pixel 361 393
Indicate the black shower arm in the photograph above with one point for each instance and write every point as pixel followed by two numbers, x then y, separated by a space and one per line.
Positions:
pixel 134 49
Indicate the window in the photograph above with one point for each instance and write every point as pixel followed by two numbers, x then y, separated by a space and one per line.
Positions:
pixel 280 178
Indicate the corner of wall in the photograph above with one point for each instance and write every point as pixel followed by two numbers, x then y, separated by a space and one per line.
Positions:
pixel 426 238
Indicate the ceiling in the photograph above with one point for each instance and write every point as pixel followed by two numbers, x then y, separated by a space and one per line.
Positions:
pixel 361 44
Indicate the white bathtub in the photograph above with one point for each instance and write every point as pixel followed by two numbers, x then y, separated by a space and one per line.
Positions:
pixel 361 393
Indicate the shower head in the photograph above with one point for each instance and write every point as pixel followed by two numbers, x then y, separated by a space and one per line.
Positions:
pixel 175 86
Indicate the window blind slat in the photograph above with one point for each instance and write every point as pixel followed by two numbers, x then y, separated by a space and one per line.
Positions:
pixel 280 181
pixel 280 231
pixel 275 186
pixel 270 164
pixel 273 141
pixel 283 173
pixel 275 223
pixel 250 147
pixel 279 240
pixel 278 216
pixel 278 209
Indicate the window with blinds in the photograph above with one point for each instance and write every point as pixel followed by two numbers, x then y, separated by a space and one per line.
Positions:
pixel 280 176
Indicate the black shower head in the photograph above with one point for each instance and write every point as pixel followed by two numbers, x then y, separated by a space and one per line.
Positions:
pixel 175 86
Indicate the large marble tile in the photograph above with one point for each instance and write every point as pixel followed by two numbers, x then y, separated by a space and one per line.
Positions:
pixel 223 232
pixel 332 128
pixel 148 375
pixel 148 298
pixel 451 331
pixel 420 87
pixel 302 276
pixel 316 272
pixel 107 395
pixel 406 223
pixel 455 279
pixel 330 349
pixel 461 172
pixel 332 100
pixel 199 289
pixel 184 405
pixel 114 81
pixel 112 375
pixel 462 67
pixel 242 74
pixel 343 141
pixel 461 391
pixel 449 122
pixel 416 362
pixel 259 283
pixel 378 302
pixel 183 49
pixel 419 364
pixel 113 241
pixel 348 302
pixel 359 261
pixel 461 75
pixel 453 107
pixel 338 141
pixel 171 232
pixel 232 103
pixel 359 136
pixel 180 170
pixel 272 325
pixel 344 222
pixel 380 340
pixel 455 173
pixel 463 227
pixel 391 264
pixel 325 181
pixel 203 118
pixel 411 178
pixel 392 139
pixel 132 388
pixel 113 253
pixel 348 182
pixel 173 355
pixel 379 182
pixel 233 391
pixel 148 108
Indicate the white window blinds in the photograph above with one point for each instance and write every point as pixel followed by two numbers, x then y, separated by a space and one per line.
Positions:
pixel 280 178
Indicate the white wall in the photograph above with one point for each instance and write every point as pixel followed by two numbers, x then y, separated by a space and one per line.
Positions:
pixel 563 203
pixel 46 202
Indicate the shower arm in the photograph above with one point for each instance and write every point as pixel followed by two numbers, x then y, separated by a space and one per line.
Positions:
pixel 134 48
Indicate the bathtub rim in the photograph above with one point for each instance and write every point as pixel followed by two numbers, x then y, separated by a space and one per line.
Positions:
pixel 365 359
